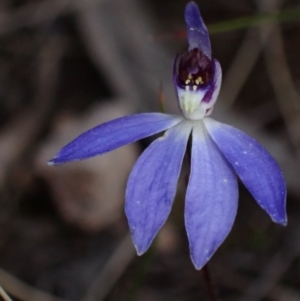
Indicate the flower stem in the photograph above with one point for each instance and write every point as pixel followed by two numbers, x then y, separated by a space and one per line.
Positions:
pixel 212 296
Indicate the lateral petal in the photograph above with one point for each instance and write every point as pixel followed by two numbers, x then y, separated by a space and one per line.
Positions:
pixel 197 32
pixel 113 134
pixel 254 165
pixel 211 199
pixel 151 187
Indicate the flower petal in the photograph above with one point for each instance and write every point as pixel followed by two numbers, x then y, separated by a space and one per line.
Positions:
pixel 254 165
pixel 197 32
pixel 113 134
pixel 214 86
pixel 152 185
pixel 211 198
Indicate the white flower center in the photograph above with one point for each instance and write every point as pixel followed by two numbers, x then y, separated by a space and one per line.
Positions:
pixel 191 104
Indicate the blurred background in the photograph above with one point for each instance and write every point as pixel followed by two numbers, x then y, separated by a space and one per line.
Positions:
pixel 68 65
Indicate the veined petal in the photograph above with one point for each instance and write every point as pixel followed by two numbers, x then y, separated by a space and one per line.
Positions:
pixel 113 134
pixel 211 198
pixel 254 165
pixel 197 32
pixel 151 187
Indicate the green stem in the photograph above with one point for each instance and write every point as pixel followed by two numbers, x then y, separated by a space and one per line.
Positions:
pixel 259 19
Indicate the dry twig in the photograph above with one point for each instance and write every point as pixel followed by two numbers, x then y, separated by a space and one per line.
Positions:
pixel 21 132
pixel 4 295
pixel 115 267
pixel 23 291
pixel 281 79
pixel 274 269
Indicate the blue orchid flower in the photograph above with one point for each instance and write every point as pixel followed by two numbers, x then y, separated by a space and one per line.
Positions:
pixel 218 154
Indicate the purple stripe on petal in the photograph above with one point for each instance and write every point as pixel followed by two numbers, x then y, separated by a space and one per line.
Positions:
pixel 196 30
pixel 151 187
pixel 113 134
pixel 211 198
pixel 254 165
pixel 214 85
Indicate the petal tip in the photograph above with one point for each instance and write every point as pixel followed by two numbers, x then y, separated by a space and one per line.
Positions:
pixel 139 251
pixel 192 8
pixel 140 245
pixel 282 222
pixel 199 264
pixel 57 160
pixel 192 5
pixel 198 267
pixel 197 32
pixel 51 162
